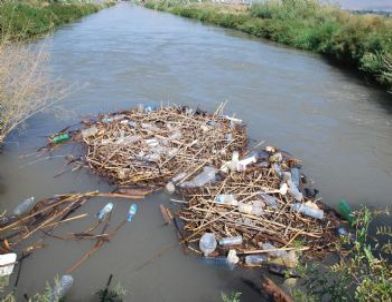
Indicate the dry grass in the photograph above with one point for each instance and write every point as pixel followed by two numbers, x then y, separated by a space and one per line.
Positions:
pixel 25 86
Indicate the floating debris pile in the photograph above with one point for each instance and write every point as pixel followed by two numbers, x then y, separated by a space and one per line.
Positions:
pixel 147 146
pixel 261 209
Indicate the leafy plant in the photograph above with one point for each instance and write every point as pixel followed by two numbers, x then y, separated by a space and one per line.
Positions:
pixel 232 297
pixel 362 274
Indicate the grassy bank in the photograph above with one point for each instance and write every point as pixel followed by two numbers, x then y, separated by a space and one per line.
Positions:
pixel 25 85
pixel 362 42
pixel 26 19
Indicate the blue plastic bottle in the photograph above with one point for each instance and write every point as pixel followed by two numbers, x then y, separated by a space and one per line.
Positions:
pixel 132 212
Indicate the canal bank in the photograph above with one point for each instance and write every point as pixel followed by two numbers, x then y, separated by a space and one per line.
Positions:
pixel 127 55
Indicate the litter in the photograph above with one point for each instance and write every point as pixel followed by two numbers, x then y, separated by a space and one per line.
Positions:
pixel 7 263
pixel 61 288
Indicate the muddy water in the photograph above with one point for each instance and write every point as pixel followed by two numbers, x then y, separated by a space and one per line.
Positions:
pixel 127 55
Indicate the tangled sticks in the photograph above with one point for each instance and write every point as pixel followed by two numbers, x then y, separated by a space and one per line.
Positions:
pixel 145 147
pixel 259 204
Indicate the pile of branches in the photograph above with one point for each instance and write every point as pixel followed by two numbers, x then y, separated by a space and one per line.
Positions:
pixel 260 210
pixel 49 213
pixel 147 146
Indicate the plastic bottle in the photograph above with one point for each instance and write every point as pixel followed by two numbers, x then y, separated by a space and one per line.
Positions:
pixel 61 138
pixel 61 288
pixel 132 212
pixel 24 207
pixel 232 258
pixel 269 200
pixel 226 199
pixel 276 158
pixel 244 163
pixel 277 169
pixel 89 132
pixel 104 211
pixel 235 240
pixel 178 177
pixel 217 261
pixel 295 176
pixel 208 175
pixel 274 252
pixel 308 211
pixel 170 187
pixel 245 208
pixel 283 189
pixel 255 259
pixel 207 243
pixel 345 211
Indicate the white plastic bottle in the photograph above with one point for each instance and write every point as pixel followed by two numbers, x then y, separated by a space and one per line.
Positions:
pixel 207 243
pixel 308 211
pixel 234 240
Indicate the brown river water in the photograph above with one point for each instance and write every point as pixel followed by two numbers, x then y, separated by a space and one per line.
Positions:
pixel 340 127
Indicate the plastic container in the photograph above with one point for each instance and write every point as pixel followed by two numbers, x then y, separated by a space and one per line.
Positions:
pixel 277 169
pixel 178 177
pixel 295 176
pixel 235 240
pixel 89 132
pixel 232 258
pixel 283 189
pixel 7 263
pixel 276 157
pixel 61 288
pixel 255 259
pixel 24 207
pixel 269 200
pixel 207 243
pixel 345 211
pixel 244 163
pixel 132 212
pixel 170 187
pixel 208 175
pixel 102 213
pixel 226 199
pixel 274 253
pixel 294 192
pixel 61 138
pixel 308 211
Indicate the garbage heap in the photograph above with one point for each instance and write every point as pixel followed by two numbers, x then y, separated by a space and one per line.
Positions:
pixel 256 209
pixel 147 146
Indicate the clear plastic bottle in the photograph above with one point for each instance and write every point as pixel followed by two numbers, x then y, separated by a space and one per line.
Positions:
pixel 308 211
pixel 274 252
pixel 24 207
pixel 61 288
pixel 235 240
pixel 132 212
pixel 226 199
pixel 208 175
pixel 295 176
pixel 89 132
pixel 244 163
pixel 207 243
pixel 178 177
pixel 102 213
pixel 253 209
pixel 277 169
pixel 269 200
pixel 255 259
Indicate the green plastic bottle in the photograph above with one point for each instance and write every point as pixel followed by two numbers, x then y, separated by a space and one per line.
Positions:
pixel 61 138
pixel 345 211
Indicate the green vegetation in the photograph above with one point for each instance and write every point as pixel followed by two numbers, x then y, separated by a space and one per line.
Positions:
pixel 26 19
pixel 232 297
pixel 25 85
pixel 363 272
pixel 363 42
